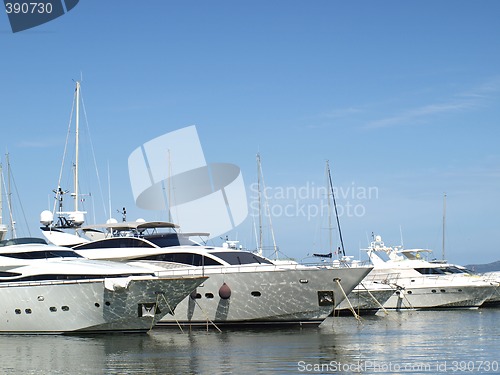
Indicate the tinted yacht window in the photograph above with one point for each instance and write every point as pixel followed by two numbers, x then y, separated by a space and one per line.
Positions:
pixel 43 254
pixel 184 258
pixel 430 271
pixel 111 243
pixel 240 257
pixel 170 239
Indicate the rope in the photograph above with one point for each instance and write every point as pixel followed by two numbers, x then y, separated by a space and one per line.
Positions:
pixel 376 301
pixel 349 302
pixel 154 313
pixel 206 316
pixel 172 312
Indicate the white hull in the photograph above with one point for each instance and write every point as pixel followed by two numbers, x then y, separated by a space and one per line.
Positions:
pixel 262 295
pixel 89 305
pixel 436 297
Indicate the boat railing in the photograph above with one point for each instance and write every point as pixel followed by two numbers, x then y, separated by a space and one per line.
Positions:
pixel 427 280
pixel 208 270
pixel 338 263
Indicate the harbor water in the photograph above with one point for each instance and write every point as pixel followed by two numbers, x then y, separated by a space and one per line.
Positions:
pixel 411 342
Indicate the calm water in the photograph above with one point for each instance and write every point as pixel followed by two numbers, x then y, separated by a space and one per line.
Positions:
pixel 462 341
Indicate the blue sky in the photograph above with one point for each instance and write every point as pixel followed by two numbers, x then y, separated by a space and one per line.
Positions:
pixel 401 97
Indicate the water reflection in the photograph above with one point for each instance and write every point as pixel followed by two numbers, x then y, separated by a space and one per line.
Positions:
pixel 337 346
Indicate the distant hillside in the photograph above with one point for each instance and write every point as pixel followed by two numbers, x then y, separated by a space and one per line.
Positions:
pixel 480 268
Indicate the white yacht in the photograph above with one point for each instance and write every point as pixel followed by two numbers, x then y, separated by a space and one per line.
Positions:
pixel 47 289
pixel 423 284
pixel 243 288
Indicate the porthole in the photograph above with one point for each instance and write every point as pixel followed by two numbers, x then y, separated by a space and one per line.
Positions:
pixel 65 308
pixel 107 303
pixel 53 309
pixel 28 311
pixel 303 281
pixel 209 295
pixel 40 298
pixel 18 311
pixel 433 290
pixel 443 291
pixel 97 304
pixel 409 292
pixel 256 294
pixel 460 290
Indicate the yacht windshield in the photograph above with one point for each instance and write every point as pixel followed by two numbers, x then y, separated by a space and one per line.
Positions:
pixel 451 269
pixel 171 239
pixel 240 257
pixel 23 241
pixel 430 271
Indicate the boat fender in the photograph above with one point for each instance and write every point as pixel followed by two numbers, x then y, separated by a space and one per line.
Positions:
pixel 224 291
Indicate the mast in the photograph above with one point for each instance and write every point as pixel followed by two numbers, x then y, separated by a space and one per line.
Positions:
pixel 444 226
pixel 3 229
pixel 330 234
pixel 335 206
pixel 13 233
pixel 77 125
pixel 267 212
pixel 1 194
pixel 259 248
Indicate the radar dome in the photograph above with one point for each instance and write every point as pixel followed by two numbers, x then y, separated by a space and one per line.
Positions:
pixel 46 218
pixel 77 217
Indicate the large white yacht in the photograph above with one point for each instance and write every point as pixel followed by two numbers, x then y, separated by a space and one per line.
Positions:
pixel 243 287
pixel 46 289
pixel 423 284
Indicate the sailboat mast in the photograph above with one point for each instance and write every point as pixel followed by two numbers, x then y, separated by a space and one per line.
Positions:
pixel 336 212
pixel 3 228
pixel 444 226
pixel 77 125
pixel 13 233
pixel 330 234
pixel 260 203
pixel 1 198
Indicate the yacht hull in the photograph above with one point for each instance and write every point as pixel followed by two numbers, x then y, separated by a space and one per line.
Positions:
pixel 89 306
pixel 265 296
pixel 440 297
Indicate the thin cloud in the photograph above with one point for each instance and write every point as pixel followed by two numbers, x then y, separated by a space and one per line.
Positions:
pixel 469 100
pixel 341 113
pixel 38 144
pixel 421 113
